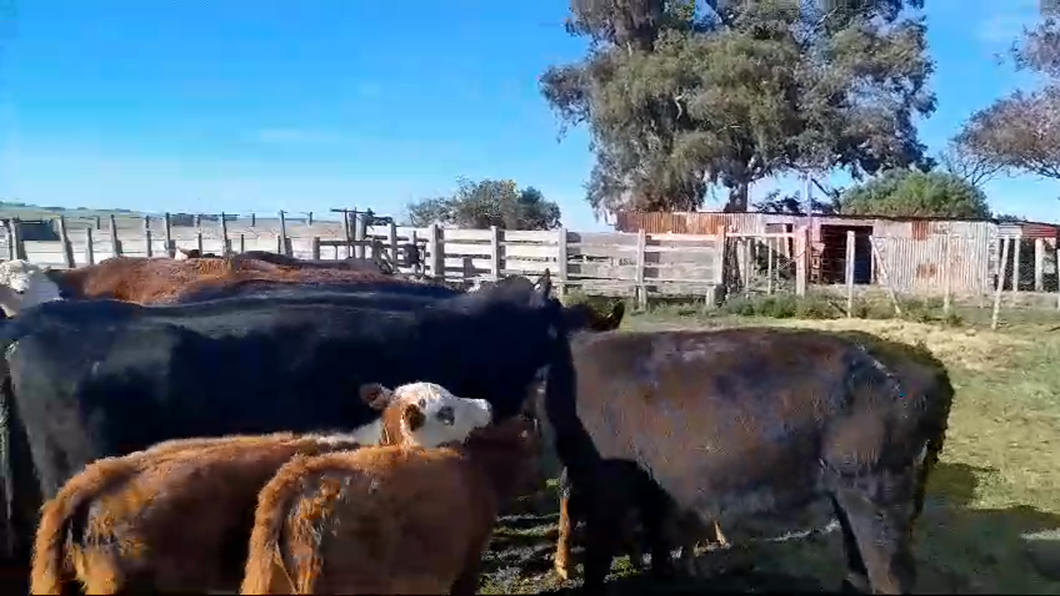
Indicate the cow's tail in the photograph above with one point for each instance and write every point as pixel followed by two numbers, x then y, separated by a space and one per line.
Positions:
pixel 61 515
pixel 265 561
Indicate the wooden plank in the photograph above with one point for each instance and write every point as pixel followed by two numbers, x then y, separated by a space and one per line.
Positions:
pixel 451 261
pixel 515 266
pixel 453 248
pixel 602 250
pixel 656 243
pixel 529 251
pixel 604 238
pixel 452 234
pixel 537 236
pixel 601 270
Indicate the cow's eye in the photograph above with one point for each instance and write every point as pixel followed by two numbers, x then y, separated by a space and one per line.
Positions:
pixel 446 415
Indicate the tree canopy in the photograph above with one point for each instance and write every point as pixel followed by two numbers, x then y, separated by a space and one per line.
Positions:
pixel 1021 132
pixel 912 193
pixel 488 203
pixel 679 95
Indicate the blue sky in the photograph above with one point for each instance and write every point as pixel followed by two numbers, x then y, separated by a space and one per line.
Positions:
pixel 260 105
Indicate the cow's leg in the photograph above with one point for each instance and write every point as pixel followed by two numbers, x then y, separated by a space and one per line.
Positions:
pixel 603 531
pixel 561 561
pixel 658 512
pixel 857 578
pixel 719 537
pixel 880 525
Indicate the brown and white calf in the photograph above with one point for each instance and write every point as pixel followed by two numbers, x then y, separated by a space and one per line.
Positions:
pixel 177 516
pixel 389 520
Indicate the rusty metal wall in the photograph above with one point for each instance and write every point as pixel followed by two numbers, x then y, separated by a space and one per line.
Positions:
pixel 921 265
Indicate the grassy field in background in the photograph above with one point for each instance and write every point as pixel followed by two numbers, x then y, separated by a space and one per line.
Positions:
pixel 992 522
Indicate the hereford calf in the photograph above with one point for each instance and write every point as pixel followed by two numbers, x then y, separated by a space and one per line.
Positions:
pixel 389 520
pixel 177 515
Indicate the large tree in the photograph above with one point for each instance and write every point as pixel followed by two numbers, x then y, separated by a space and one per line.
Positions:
pixel 1021 132
pixel 677 97
pixel 912 193
pixel 488 203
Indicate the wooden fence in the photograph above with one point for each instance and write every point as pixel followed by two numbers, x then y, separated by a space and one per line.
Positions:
pixel 596 263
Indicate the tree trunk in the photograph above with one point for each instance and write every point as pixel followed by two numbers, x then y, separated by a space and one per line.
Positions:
pixel 738 198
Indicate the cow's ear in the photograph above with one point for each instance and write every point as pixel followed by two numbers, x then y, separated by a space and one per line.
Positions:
pixel 376 396
pixel 544 284
pixel 413 417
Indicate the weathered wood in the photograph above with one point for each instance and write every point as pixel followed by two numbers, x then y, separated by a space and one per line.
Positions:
pixel 947 275
pixel 225 244
pixel 1005 243
pixel 642 290
pixel 147 235
pixel 849 273
pixel 171 246
pixel 1016 265
pixel 1039 264
pixel 282 243
pixel 115 243
pixel 315 247
pixel 68 249
pixel 561 261
pixel 90 249
pixel 495 253
pixel 435 249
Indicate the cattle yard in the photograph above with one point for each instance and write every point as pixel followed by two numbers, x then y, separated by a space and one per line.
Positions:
pixel 992 519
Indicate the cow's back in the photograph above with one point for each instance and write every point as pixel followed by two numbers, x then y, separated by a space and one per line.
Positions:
pixel 730 397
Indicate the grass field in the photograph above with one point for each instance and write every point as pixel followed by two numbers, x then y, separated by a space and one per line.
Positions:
pixel 992 522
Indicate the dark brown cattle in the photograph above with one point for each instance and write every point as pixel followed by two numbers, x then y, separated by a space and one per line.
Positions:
pixel 738 422
pixel 388 520
pixel 176 517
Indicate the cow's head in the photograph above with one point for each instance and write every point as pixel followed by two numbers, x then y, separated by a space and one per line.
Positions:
pixel 425 414
pixel 23 284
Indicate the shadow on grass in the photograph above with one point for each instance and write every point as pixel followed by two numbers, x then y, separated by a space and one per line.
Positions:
pixel 959 549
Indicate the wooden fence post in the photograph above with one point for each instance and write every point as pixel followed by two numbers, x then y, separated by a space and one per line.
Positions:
pixel 115 243
pixel 242 243
pixel 315 248
pixel 16 239
pixel 68 249
pixel 719 289
pixel 495 253
pixel 1000 282
pixel 802 260
pixel 947 275
pixel 641 291
pixel 226 246
pixel 346 232
pixel 391 238
pixel 90 250
pixel 360 231
pixel 147 236
pixel 1016 264
pixel 282 243
pixel 310 214
pixel 436 247
pixel 850 273
pixel 1039 264
pixel 171 247
pixel 561 261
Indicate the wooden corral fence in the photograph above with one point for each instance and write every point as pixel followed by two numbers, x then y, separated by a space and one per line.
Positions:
pixel 596 263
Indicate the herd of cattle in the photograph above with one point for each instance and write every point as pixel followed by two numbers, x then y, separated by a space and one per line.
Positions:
pixel 271 425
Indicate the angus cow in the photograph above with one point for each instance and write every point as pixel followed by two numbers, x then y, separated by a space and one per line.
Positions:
pixel 159 281
pixel 735 422
pixel 133 376
pixel 387 520
pixel 123 521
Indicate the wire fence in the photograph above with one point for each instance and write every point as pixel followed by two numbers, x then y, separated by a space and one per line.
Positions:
pixel 993 281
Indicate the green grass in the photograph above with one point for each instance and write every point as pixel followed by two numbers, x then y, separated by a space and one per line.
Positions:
pixel 992 521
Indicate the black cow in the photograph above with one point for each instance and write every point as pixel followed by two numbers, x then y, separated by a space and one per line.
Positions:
pixel 100 378
pixel 736 422
pixel 281 290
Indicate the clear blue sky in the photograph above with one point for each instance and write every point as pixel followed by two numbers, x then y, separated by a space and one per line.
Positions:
pixel 260 105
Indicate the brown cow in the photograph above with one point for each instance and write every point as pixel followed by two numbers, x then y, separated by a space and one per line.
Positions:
pixel 158 281
pixel 177 516
pixel 389 520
